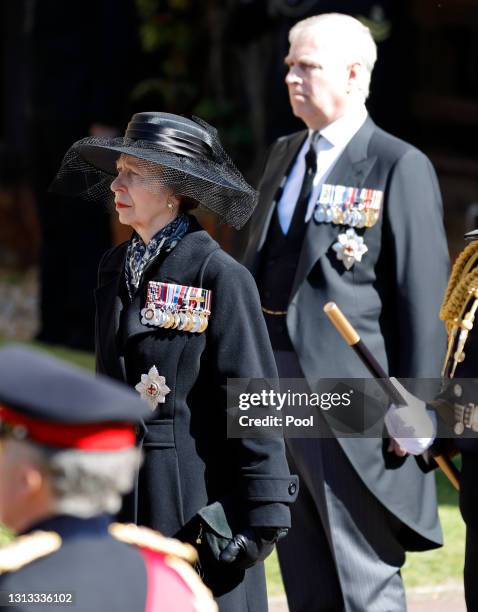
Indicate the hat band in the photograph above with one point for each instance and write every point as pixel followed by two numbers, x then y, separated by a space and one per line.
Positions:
pixel 91 437
pixel 170 140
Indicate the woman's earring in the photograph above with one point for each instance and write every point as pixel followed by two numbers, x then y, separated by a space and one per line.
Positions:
pixel 170 205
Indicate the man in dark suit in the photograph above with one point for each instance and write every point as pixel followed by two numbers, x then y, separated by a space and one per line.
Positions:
pixel 351 214
pixel 67 454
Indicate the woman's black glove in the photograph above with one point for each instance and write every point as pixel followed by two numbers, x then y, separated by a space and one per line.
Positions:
pixel 251 545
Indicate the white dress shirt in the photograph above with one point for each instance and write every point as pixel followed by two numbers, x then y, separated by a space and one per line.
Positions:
pixel 333 140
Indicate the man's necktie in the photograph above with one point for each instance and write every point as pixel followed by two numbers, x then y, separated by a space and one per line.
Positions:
pixel 307 183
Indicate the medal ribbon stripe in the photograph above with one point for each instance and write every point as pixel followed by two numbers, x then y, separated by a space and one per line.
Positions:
pixel 181 307
pixel 350 206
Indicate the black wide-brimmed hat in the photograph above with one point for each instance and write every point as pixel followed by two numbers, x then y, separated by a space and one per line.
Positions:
pixel 188 151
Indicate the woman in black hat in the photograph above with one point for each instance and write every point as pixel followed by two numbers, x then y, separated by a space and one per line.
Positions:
pixel 177 317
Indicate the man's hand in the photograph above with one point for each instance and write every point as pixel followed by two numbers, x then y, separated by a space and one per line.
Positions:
pixel 251 545
pixel 394 447
pixel 411 426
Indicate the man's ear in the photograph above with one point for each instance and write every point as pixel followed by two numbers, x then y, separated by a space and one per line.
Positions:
pixel 32 479
pixel 355 75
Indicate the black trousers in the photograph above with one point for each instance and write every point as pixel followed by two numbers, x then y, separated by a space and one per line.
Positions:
pixel 343 552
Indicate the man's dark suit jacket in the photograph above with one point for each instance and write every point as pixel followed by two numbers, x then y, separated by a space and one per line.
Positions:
pixel 392 297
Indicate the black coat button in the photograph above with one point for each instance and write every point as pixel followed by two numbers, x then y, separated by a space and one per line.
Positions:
pixel 292 488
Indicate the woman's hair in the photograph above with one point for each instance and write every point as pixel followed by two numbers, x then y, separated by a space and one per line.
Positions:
pixel 347 36
pixel 187 203
pixel 87 483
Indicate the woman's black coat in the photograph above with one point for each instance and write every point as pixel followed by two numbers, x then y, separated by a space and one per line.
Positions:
pixel 189 461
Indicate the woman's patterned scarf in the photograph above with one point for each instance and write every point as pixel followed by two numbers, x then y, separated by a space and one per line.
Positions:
pixel 139 255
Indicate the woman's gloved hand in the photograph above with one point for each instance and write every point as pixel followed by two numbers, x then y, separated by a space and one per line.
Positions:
pixel 250 545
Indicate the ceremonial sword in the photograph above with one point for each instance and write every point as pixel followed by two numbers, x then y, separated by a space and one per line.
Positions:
pixel 350 335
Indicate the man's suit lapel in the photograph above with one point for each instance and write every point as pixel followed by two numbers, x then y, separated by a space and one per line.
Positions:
pixel 351 170
pixel 280 162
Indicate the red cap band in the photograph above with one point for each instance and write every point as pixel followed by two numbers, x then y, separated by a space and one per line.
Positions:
pixel 90 437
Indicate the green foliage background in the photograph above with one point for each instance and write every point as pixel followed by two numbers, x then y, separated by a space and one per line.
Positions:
pixel 192 67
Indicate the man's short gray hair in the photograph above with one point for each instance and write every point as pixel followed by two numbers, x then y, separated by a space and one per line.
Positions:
pixel 87 483
pixel 348 35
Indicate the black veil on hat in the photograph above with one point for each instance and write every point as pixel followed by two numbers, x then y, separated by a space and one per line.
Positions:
pixel 190 157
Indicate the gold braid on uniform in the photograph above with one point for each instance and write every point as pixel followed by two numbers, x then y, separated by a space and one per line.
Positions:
pixel 148 538
pixel 28 548
pixel 462 287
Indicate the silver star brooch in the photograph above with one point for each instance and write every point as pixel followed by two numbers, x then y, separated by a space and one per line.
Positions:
pixel 153 388
pixel 350 248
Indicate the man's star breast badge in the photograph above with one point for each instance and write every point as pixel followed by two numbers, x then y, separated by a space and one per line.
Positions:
pixel 350 247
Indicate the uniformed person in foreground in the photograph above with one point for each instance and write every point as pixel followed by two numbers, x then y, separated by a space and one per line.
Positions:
pixel 67 454
pixel 417 426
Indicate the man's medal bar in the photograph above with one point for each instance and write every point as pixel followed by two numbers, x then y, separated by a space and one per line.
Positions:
pixel 353 206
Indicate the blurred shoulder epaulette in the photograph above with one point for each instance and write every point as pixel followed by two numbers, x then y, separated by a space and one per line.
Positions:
pixel 148 538
pixel 25 549
pixel 177 555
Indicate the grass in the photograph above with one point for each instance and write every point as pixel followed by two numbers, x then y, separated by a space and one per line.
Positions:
pixel 80 358
pixel 444 564
pixel 428 568
pixel 5 536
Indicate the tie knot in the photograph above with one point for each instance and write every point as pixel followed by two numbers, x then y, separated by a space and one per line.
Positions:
pixel 314 138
